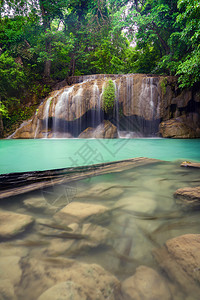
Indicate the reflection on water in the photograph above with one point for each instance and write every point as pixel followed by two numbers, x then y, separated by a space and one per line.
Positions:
pixel 128 215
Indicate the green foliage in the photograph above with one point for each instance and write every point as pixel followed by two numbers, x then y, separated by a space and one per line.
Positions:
pixel 3 110
pixel 108 96
pixel 163 84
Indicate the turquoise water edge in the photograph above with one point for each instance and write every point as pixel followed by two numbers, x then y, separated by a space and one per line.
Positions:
pixel 46 154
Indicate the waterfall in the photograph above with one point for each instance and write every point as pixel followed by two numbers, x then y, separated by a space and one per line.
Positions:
pixel 96 106
pixel 46 116
pixel 60 110
pixel 116 104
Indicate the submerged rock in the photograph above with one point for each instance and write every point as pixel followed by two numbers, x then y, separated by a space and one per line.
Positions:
pixel 10 269
pixel 92 236
pixel 179 258
pixel 64 291
pixel 43 274
pixel 188 197
pixel 12 223
pixel 145 284
pixel 78 212
pixel 7 290
pixel 140 202
pixel 103 191
pixel 39 204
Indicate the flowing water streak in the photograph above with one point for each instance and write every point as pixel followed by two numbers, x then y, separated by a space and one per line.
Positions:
pixel 116 103
pixel 77 100
pixel 96 105
pixel 46 116
pixel 37 128
pixel 60 109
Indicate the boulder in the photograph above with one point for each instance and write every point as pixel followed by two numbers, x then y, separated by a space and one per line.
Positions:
pixel 12 223
pixel 64 291
pixel 188 197
pixel 79 212
pixel 179 258
pixel 87 133
pixel 145 284
pixel 50 272
pixel 180 127
pixel 190 164
pixel 105 130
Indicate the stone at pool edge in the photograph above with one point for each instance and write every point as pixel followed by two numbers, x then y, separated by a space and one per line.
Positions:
pixel 179 258
pixel 76 212
pixel 190 164
pixel 188 197
pixel 145 284
pixel 13 224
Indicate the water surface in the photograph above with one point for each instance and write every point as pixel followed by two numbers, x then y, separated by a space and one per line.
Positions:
pixel 45 154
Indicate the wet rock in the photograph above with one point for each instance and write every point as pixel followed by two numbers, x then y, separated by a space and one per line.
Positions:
pixel 105 130
pixel 179 127
pixel 190 164
pixel 79 212
pixel 39 204
pixel 145 284
pixel 7 290
pixel 103 191
pixel 10 269
pixel 179 258
pixel 64 291
pixel 87 133
pixel 95 282
pixel 12 223
pixel 188 197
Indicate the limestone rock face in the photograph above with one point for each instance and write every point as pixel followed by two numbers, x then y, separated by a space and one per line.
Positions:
pixel 188 197
pixel 106 130
pixel 147 97
pixel 180 257
pixel 13 223
pixel 145 284
pixel 181 127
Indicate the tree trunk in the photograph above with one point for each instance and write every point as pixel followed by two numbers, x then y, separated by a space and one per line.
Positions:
pixel 163 43
pixel 46 25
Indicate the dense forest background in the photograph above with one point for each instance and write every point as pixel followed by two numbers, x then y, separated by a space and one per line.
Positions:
pixel 44 41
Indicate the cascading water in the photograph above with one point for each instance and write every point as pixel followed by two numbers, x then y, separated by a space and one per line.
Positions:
pixel 46 116
pixel 60 111
pixel 96 103
pixel 70 111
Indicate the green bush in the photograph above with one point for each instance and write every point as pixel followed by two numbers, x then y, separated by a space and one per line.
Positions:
pixel 108 96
